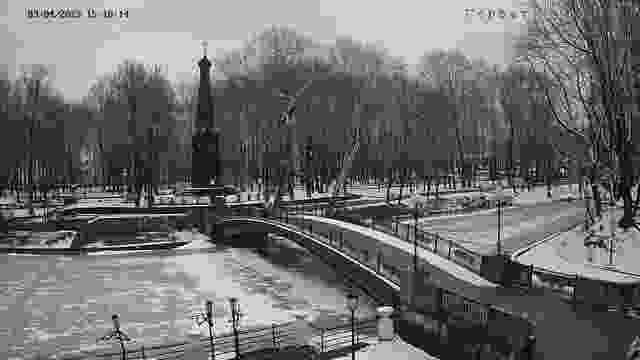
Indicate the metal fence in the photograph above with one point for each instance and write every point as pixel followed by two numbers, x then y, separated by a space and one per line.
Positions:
pixel 339 336
pixel 571 288
pixel 274 337
pixel 424 239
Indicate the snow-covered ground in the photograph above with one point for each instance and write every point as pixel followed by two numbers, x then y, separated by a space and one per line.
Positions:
pixel 364 190
pixel 570 247
pixel 538 195
pixel 298 193
pixel 547 256
pixel 519 226
pixel 531 218
pixel 390 349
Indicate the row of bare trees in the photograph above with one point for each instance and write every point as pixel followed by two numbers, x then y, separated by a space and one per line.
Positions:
pixel 458 114
pixel 456 107
pixel 41 133
pixel 587 66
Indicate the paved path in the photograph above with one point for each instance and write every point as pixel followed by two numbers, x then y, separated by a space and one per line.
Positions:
pixel 396 348
pixel 562 332
pixel 521 225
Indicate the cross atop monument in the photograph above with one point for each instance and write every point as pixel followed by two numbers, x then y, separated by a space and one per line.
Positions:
pixel 204 47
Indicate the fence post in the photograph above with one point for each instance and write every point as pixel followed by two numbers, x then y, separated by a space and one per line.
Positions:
pixel 322 349
pixel 531 276
pixel 435 246
pixel 273 334
pixel 439 307
pixel 450 244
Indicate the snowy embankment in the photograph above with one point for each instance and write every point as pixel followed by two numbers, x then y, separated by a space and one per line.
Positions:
pixel 592 248
pixel 537 195
pixel 532 217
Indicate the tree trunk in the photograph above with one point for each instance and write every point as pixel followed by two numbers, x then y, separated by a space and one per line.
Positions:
pixel 595 193
pixel 626 167
pixel 389 182
pixel 403 180
pixel 149 196
pixel 637 202
pixel 548 178
pixel 510 157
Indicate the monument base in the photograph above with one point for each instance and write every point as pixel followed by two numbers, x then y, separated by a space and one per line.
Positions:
pixel 205 166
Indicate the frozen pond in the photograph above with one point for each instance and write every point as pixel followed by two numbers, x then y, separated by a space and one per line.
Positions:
pixel 64 303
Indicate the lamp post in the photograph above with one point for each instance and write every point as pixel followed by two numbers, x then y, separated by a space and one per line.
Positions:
pixel 117 334
pixel 352 304
pixel 207 317
pixel 415 238
pixel 235 318
pixel 613 231
pixel 499 196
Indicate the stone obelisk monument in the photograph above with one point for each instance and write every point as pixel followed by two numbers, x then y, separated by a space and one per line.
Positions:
pixel 205 167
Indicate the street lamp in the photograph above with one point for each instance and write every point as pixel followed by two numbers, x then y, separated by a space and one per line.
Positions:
pixel 613 231
pixel 117 334
pixel 415 238
pixel 499 196
pixel 207 317
pixel 352 304
pixel 235 318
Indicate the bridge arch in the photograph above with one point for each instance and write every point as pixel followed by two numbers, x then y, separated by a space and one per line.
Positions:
pixel 381 289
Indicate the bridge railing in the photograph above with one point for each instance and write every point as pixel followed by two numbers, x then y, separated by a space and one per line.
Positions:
pixel 482 322
pixel 426 240
pixel 570 287
pixel 464 317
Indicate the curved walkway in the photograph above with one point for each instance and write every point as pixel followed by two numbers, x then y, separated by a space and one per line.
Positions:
pixel 436 260
pixel 562 333
pixel 543 255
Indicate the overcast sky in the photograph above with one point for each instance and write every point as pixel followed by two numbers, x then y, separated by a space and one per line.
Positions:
pixel 170 32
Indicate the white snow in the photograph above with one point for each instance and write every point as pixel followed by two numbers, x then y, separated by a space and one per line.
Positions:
pixel 547 257
pixel 539 194
pixel 570 247
pixel 385 350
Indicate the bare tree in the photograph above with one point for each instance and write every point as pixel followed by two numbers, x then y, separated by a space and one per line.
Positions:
pixel 583 48
pixel 33 78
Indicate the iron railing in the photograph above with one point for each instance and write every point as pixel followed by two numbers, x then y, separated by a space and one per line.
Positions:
pixel 566 286
pixel 275 337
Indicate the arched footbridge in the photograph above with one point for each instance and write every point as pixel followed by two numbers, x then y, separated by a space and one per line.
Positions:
pixel 392 272
pixel 381 287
